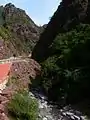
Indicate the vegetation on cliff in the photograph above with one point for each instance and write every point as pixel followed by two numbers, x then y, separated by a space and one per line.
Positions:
pixel 65 75
pixel 64 53
pixel 68 14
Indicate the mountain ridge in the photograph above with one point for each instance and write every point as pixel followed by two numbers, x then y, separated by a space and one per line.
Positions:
pixel 18 29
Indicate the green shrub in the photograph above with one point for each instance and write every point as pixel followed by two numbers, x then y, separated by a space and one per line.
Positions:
pixel 12 80
pixel 23 107
pixel 5 34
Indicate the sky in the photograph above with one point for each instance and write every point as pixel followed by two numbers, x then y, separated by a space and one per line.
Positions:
pixel 39 10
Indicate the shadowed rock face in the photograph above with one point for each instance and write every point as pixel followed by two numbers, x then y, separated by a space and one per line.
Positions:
pixel 68 15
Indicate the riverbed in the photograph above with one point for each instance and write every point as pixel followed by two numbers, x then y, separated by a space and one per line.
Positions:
pixel 51 111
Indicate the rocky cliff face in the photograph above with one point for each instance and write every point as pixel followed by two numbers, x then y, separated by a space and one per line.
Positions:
pixel 68 15
pixel 20 23
pixel 18 29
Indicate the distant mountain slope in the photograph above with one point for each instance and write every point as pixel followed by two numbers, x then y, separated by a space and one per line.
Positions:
pixel 18 29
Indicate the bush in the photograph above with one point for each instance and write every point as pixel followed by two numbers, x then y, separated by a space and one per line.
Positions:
pixel 4 33
pixel 23 107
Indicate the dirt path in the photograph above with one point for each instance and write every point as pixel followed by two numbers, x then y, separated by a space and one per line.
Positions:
pixel 15 59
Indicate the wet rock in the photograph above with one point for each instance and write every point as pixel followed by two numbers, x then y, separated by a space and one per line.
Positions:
pixel 45 118
pixel 78 113
pixel 69 113
pixel 49 111
pixel 31 95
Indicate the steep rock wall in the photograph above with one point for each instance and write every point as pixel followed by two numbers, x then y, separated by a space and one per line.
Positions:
pixel 68 15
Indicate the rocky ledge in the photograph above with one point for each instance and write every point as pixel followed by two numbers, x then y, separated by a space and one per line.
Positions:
pixel 21 72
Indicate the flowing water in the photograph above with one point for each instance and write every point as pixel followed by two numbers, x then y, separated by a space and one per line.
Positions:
pixel 49 111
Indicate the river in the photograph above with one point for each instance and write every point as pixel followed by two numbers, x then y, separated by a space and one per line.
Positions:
pixel 48 111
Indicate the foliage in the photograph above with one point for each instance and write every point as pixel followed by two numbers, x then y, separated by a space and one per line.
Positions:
pixel 23 107
pixel 19 16
pixel 65 75
pixel 12 80
pixel 4 33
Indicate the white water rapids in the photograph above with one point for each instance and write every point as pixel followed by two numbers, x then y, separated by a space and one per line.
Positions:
pixel 52 112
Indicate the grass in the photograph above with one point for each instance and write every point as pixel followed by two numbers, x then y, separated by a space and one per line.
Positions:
pixel 12 80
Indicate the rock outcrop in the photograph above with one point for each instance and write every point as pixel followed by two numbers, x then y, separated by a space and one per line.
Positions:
pixel 68 15
pixel 20 23
pixel 18 29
